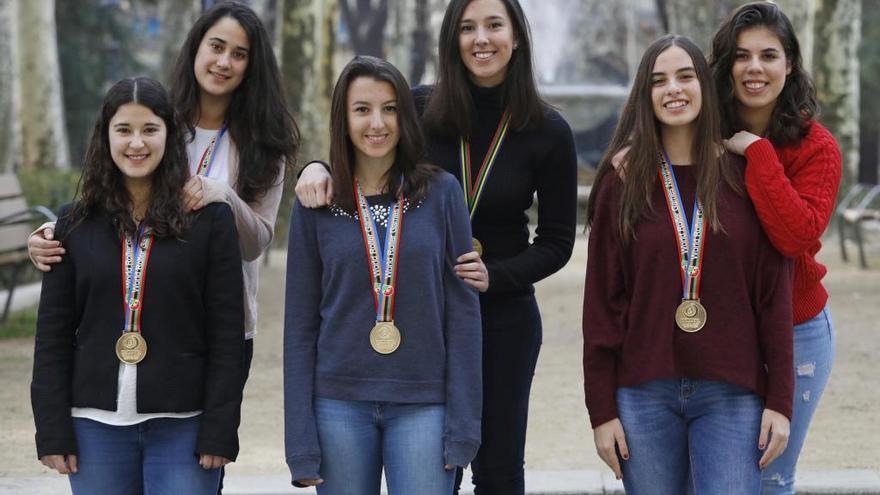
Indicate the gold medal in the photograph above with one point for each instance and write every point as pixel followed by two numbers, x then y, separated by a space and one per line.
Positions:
pixel 385 337
pixel 131 348
pixel 478 246
pixel 690 315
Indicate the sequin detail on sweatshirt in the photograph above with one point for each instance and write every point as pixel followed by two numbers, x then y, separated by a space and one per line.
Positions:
pixel 379 213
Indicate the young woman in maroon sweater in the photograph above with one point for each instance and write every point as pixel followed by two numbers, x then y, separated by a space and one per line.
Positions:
pixel 687 327
pixel 792 174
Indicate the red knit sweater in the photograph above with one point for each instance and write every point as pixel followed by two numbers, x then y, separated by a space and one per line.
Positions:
pixel 794 189
pixel 632 290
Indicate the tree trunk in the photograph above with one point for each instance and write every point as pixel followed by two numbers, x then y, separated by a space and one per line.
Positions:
pixel 267 10
pixel 307 46
pixel 7 78
pixel 44 138
pixel 802 14
pixel 177 17
pixel 869 60
pixel 836 71
pixel 696 19
pixel 366 25
pixel 421 42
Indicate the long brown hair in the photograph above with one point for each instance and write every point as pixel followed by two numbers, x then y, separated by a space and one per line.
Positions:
pixel 796 106
pixel 451 110
pixel 263 130
pixel 639 130
pixel 410 149
pixel 102 184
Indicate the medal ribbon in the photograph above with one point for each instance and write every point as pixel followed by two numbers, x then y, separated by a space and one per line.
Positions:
pixel 690 237
pixel 474 190
pixel 135 254
pixel 382 256
pixel 207 158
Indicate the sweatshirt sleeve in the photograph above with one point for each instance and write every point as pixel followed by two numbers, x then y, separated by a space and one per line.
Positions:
pixel 54 344
pixel 302 322
pixel 795 205
pixel 556 178
pixel 605 306
pixel 463 331
pixel 773 299
pixel 255 221
pixel 224 305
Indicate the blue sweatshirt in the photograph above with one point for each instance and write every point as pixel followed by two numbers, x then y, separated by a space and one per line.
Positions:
pixel 329 312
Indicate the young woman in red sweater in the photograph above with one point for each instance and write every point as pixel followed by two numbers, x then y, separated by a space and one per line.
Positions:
pixel 687 305
pixel 792 174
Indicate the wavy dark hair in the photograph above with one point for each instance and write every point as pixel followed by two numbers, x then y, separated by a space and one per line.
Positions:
pixel 102 184
pixel 639 130
pixel 262 128
pixel 796 106
pixel 450 111
pixel 410 152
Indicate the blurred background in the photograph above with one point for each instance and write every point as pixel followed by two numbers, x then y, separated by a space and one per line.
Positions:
pixel 59 56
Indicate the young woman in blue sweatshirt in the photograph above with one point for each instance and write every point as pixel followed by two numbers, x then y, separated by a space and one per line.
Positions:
pixel 382 341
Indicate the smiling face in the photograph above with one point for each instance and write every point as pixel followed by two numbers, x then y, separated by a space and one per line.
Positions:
pixel 486 41
pixel 372 121
pixel 222 58
pixel 676 95
pixel 137 142
pixel 759 69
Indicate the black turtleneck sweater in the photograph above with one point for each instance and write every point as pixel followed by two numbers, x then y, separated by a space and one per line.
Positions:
pixel 537 159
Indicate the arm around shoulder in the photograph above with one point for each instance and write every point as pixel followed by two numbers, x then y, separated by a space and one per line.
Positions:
pixel 255 220
pixel 794 201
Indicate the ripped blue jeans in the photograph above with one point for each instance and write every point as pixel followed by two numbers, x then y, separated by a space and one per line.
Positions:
pixel 813 359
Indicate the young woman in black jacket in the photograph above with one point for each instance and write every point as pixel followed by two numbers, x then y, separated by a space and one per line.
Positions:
pixel 138 355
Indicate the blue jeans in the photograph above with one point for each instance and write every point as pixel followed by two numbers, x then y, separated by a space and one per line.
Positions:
pixel 680 430
pixel 813 358
pixel 156 457
pixel 359 438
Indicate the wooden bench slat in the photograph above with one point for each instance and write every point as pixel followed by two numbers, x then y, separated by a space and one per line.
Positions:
pixel 14 237
pixel 14 257
pixel 9 185
pixel 12 205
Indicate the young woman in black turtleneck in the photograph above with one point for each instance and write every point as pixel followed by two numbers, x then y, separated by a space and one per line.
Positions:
pixel 486 99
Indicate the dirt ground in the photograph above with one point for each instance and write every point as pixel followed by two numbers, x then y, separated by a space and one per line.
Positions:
pixel 845 432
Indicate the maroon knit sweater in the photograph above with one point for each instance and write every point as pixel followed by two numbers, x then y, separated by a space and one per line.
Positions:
pixel 632 291
pixel 794 189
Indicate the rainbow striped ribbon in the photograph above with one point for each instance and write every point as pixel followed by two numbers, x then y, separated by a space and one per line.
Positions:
pixel 207 158
pixel 383 269
pixel 690 237
pixel 135 254
pixel 473 191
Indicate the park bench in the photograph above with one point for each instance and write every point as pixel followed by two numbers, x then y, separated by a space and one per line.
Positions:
pixel 16 223
pixel 858 214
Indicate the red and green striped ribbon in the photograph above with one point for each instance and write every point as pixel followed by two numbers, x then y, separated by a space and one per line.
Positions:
pixel 474 190
pixel 383 259
pixel 207 158
pixel 690 238
pixel 136 250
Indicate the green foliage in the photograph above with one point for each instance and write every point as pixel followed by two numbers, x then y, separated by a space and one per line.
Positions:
pixel 96 43
pixel 51 188
pixel 19 324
